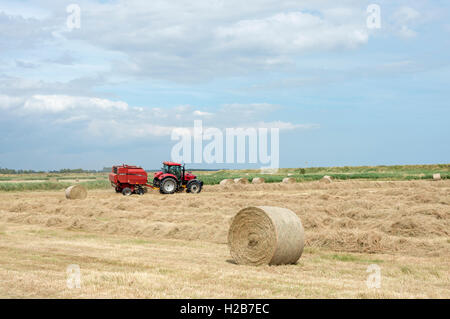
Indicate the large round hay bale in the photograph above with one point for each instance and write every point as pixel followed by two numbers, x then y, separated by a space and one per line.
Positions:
pixel 258 180
pixel 288 180
pixel 436 177
pixel 266 235
pixel 226 181
pixel 241 181
pixel 326 179
pixel 76 192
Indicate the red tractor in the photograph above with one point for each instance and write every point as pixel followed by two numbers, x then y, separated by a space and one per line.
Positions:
pixel 172 178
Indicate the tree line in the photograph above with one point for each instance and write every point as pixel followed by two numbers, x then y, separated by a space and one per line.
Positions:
pixel 61 171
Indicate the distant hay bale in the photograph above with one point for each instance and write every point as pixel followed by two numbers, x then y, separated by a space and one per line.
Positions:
pixel 258 180
pixel 290 174
pixel 241 181
pixel 289 180
pixel 76 192
pixel 326 179
pixel 266 235
pixel 437 177
pixel 226 182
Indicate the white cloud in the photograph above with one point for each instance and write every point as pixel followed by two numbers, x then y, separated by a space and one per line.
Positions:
pixel 293 32
pixel 406 32
pixel 403 18
pixel 202 114
pixel 406 14
pixel 60 103
pixel 187 41
pixel 287 126
pixel 115 120
pixel 193 41
pixel 249 109
pixel 129 129
pixel 9 102
pixel 18 32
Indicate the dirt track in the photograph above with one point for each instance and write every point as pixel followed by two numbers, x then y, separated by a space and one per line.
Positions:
pixel 398 219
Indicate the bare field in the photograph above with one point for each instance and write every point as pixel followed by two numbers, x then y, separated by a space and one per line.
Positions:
pixel 175 245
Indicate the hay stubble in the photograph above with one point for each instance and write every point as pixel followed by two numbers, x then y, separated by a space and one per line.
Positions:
pixel 402 223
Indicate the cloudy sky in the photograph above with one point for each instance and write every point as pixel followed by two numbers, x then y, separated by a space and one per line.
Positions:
pixel 113 90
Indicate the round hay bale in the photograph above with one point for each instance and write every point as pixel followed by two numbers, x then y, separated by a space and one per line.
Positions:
pixel 226 181
pixel 326 179
pixel 266 235
pixel 258 180
pixel 288 180
pixel 76 192
pixel 241 181
pixel 436 177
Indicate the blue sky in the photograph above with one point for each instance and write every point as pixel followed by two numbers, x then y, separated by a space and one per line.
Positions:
pixel 113 90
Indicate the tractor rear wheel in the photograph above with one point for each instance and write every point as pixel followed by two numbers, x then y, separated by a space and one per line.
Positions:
pixel 168 186
pixel 127 191
pixel 194 187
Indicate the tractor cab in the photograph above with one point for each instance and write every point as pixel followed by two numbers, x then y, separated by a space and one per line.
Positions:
pixel 172 168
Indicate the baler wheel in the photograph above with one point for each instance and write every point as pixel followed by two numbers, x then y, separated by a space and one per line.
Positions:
pixel 127 191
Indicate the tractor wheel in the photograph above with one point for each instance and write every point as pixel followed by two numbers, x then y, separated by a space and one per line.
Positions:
pixel 127 191
pixel 194 187
pixel 168 186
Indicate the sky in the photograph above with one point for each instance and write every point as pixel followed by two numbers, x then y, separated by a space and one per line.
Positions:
pixel 113 88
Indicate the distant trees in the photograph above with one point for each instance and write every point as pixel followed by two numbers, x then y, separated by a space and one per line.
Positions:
pixel 19 171
pixel 73 170
pixel 29 171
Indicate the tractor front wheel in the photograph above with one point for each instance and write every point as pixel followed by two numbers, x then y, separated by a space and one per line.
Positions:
pixel 194 187
pixel 168 186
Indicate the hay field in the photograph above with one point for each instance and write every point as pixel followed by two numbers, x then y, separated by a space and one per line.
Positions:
pixel 174 246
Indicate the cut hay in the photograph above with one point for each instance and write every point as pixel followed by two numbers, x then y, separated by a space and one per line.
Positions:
pixel 258 180
pixel 437 177
pixel 76 192
pixel 226 182
pixel 289 180
pixel 241 181
pixel 326 179
pixel 266 235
